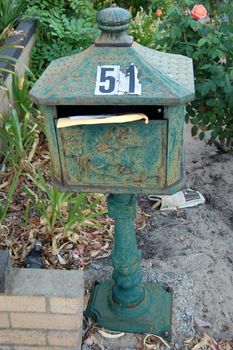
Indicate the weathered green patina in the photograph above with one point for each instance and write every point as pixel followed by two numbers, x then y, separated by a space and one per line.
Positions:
pixel 71 80
pixel 119 158
pixel 126 304
pixel 118 76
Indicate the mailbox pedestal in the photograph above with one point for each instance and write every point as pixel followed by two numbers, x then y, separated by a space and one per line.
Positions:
pixel 126 304
pixel 117 76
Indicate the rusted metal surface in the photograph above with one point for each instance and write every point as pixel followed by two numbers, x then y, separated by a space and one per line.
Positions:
pixel 166 79
pixel 49 127
pixel 110 21
pixel 120 158
pixel 131 154
pixel 175 156
pixel 153 315
pixel 127 304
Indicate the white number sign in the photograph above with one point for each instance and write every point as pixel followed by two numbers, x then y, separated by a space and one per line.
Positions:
pixel 110 80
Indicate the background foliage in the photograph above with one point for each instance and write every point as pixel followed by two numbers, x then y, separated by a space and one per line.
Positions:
pixel 65 28
pixel 10 12
pixel 210 45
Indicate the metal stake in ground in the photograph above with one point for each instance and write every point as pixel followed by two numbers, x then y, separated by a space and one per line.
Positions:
pixel 125 304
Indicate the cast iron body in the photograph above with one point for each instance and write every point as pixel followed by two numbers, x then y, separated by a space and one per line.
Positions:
pixel 122 159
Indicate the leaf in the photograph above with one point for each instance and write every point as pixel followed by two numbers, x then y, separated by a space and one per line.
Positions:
pixel 211 102
pixel 196 56
pixel 112 335
pixel 11 190
pixel 55 248
pixel 206 341
pixel 105 255
pixel 152 341
pixel 190 110
pixel 202 42
pixel 61 260
pixel 33 150
pixel 205 88
pixel 4 184
pixel 194 130
pixel 94 253
pixel 201 135
pixel 214 134
pixel 206 66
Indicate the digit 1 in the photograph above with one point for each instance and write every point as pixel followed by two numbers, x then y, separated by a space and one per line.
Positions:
pixel 131 73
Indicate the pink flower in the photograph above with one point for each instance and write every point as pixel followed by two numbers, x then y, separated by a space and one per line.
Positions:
pixel 199 12
pixel 158 12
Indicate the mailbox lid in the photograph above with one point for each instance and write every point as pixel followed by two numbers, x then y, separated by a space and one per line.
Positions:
pixel 114 157
pixel 164 78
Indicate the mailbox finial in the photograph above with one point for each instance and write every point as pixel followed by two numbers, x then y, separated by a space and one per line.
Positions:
pixel 113 22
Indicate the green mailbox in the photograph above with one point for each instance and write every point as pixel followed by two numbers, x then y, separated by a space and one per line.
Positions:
pixel 89 101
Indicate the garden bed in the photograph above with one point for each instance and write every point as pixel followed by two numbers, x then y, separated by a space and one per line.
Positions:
pixel 195 241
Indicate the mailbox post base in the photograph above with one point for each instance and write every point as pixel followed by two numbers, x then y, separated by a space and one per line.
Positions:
pixel 152 315
pixel 125 304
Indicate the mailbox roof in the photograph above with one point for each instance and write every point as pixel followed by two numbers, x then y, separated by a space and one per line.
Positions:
pixel 166 79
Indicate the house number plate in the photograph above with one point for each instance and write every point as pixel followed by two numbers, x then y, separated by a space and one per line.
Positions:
pixel 111 80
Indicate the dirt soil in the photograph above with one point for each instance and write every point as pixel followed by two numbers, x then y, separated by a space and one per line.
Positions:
pixel 199 240
pixel 196 242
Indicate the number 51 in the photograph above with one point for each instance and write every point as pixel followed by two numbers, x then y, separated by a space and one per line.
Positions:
pixel 110 80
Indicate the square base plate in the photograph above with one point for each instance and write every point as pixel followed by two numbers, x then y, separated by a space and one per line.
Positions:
pixel 152 315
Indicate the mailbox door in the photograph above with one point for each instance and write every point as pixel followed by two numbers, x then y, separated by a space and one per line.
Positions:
pixel 117 158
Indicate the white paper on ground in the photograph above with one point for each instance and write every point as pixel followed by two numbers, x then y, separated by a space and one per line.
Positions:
pixel 182 199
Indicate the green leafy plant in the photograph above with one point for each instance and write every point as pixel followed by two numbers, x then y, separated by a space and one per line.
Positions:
pixel 133 5
pixel 17 137
pixel 81 211
pixel 9 13
pixel 4 205
pixel 59 207
pixel 65 29
pixel 210 44
pixel 143 27
pixel 163 5
pixel 7 59
pixel 21 100
pixel 84 9
pixel 48 201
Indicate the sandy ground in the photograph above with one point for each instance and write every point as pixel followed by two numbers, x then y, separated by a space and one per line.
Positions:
pixel 199 241
pixel 196 242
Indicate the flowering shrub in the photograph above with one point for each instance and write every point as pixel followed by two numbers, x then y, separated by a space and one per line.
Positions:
pixel 161 5
pixel 210 45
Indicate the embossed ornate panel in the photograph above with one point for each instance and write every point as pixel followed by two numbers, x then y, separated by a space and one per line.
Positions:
pixel 115 156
